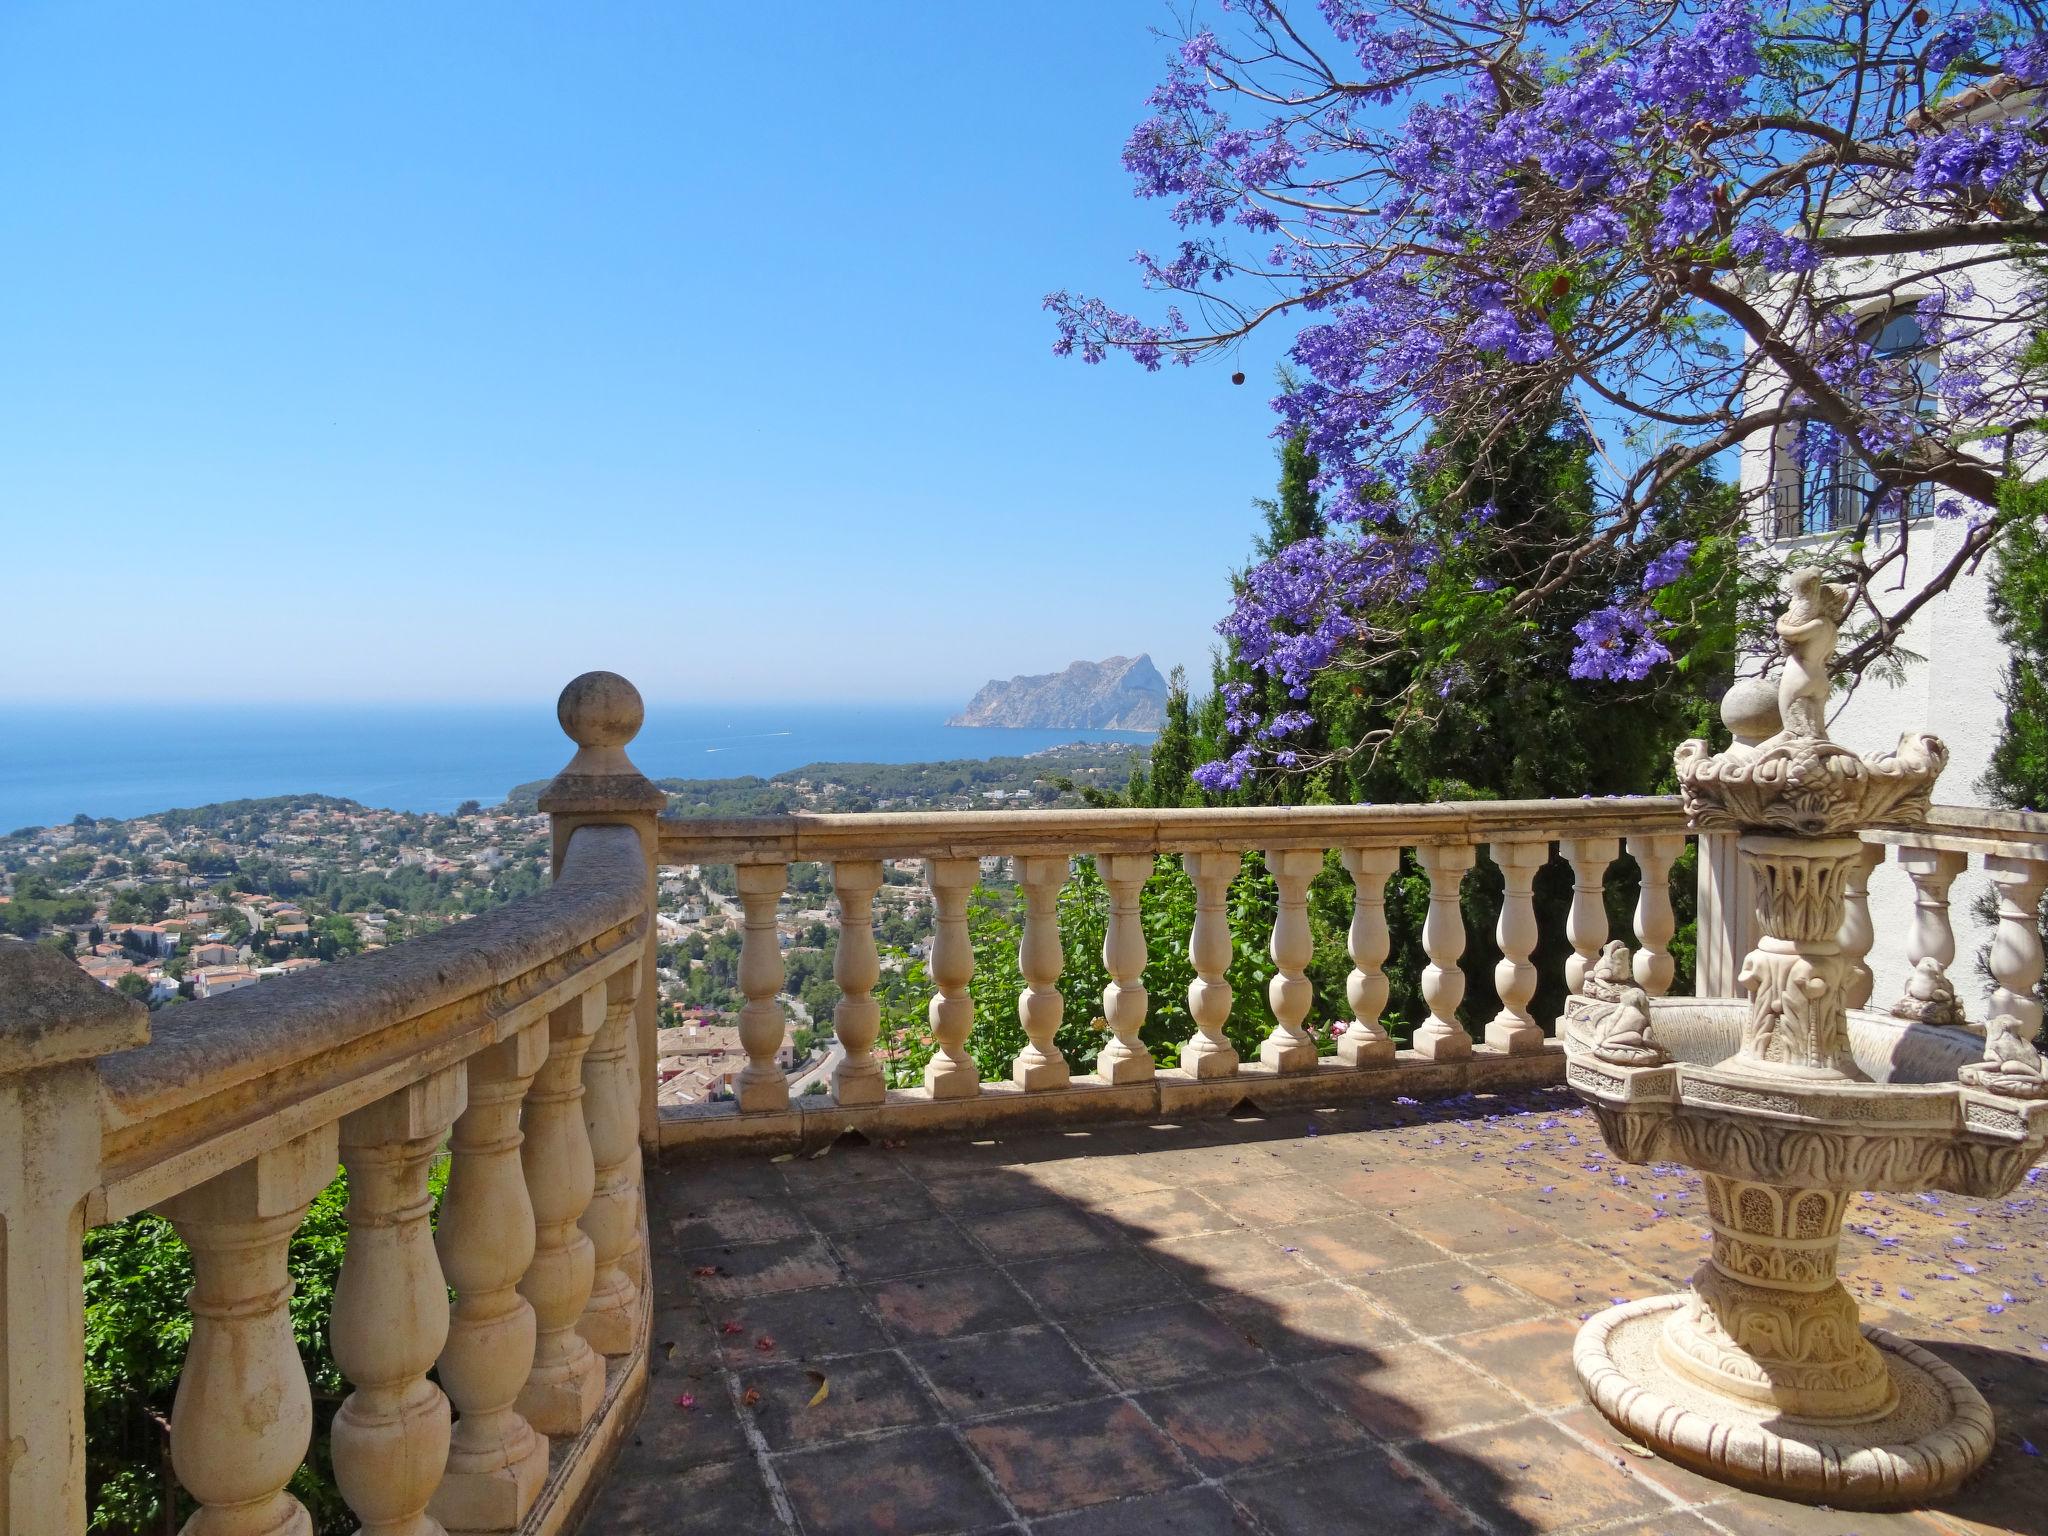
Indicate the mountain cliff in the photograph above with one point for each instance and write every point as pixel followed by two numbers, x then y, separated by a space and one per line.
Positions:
pixel 1124 693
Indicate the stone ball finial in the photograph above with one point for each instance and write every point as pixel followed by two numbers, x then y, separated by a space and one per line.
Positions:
pixel 1750 710
pixel 600 710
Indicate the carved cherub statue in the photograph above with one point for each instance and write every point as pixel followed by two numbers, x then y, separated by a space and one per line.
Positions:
pixel 2011 1065
pixel 1813 613
pixel 1611 974
pixel 1621 1031
pixel 1929 998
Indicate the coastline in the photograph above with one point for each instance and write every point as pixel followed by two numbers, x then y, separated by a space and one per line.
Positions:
pixel 119 763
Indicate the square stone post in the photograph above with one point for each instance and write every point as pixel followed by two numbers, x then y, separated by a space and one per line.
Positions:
pixel 1727 917
pixel 55 1021
pixel 601 712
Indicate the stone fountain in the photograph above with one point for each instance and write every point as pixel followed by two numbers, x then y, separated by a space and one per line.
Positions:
pixel 1789 1103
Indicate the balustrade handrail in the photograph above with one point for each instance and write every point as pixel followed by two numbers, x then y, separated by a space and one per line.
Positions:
pixel 1293 843
pixel 1968 829
pixel 228 1078
pixel 807 835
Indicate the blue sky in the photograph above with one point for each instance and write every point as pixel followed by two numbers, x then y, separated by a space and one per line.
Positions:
pixel 425 352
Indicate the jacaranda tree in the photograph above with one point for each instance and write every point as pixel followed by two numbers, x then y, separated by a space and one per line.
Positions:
pixel 1684 222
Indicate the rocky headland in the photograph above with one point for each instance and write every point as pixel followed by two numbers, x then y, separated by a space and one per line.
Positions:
pixel 1124 693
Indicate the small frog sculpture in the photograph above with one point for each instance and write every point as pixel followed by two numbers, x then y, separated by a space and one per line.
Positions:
pixel 2012 1066
pixel 1928 998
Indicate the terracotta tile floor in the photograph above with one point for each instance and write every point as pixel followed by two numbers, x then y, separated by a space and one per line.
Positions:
pixel 1357 1320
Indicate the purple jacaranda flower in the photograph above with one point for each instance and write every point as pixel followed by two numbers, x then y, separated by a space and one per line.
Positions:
pixel 1227 774
pixel 1668 564
pixel 1618 645
pixel 1686 213
pixel 1773 249
pixel 1289 722
pixel 2028 61
pixel 1955 38
pixel 1976 158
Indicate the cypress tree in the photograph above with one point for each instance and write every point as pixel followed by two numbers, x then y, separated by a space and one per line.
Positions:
pixel 2018 776
pixel 1295 513
pixel 1173 751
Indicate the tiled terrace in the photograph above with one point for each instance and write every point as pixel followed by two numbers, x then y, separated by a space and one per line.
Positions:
pixel 1354 1320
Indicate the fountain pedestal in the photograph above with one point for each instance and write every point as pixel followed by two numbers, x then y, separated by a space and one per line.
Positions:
pixel 1789 1103
pixel 1768 1323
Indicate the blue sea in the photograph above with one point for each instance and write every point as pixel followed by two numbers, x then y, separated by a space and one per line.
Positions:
pixel 56 761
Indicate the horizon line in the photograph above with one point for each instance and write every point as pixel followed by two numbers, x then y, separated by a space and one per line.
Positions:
pixel 468 701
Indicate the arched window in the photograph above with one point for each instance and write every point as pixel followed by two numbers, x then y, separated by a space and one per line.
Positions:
pixel 1836 493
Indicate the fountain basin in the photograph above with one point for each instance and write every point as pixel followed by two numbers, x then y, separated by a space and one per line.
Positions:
pixel 1762 1374
pixel 1912 1126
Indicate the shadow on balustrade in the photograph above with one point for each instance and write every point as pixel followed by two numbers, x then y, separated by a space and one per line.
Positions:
pixel 1278 1325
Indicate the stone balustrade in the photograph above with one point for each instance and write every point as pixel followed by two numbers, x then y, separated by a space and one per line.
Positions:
pixel 495 1357
pixel 508 1047
pixel 2004 854
pixel 1586 839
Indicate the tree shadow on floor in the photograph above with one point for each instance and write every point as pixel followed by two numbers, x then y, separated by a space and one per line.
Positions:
pixel 1124 1328
pixel 2011 1492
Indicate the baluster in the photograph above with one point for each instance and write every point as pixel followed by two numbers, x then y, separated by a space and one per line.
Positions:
pixel 243 1416
pixel 1655 922
pixel 566 1383
pixel 1856 935
pixel 1289 1048
pixel 1040 1005
pixel 390 1319
pixel 951 1073
pixel 1441 1037
pixel 1932 870
pixel 496 1463
pixel 1586 924
pixel 857 1019
pixel 1514 977
pixel 1124 1058
pixel 612 1218
pixel 762 1084
pixel 1366 1043
pixel 1209 1052
pixel 2015 959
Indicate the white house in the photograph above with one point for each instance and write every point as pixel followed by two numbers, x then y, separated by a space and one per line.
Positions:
pixel 215 980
